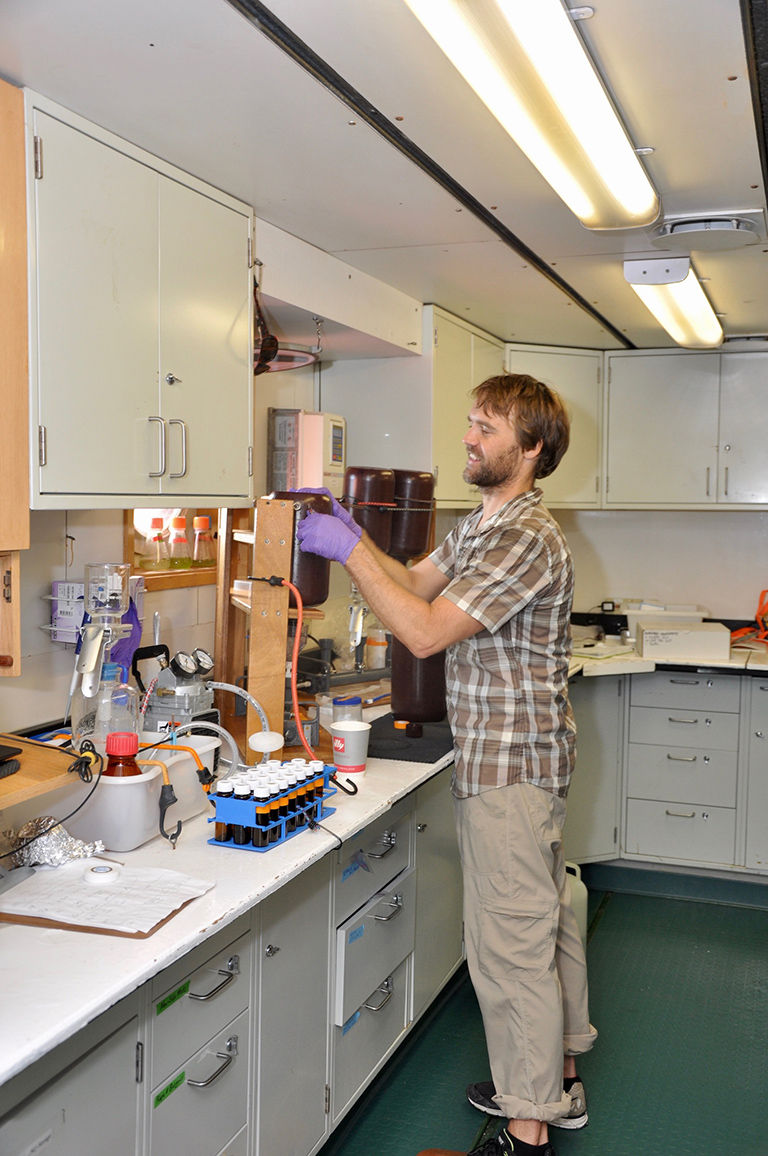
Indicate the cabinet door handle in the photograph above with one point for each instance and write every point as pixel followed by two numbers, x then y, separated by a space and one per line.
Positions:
pixel 682 758
pixel 690 721
pixel 227 1057
pixel 233 969
pixel 159 473
pixel 389 839
pixel 397 904
pixel 682 814
pixel 684 681
pixel 178 421
pixel 707 481
pixel 726 476
pixel 388 990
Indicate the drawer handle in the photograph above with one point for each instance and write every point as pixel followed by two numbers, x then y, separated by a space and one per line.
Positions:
pixel 684 681
pixel 691 721
pixel 682 814
pixel 397 904
pixel 682 758
pixel 227 1057
pixel 233 969
pixel 389 840
pixel 388 989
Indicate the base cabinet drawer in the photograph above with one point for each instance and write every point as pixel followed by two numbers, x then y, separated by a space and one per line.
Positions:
pixel 676 774
pixel 191 1008
pixel 200 1107
pixel 681 831
pixel 686 690
pixel 367 862
pixel 373 943
pixel 674 726
pixel 368 1034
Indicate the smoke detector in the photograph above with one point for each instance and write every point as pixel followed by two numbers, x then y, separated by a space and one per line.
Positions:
pixel 708 234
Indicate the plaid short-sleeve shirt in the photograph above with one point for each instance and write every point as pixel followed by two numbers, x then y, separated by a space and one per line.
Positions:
pixel 508 685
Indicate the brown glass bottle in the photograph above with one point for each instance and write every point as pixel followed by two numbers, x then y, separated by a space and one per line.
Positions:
pixel 412 518
pixel 310 573
pixel 369 495
pixel 122 748
pixel 418 685
pixel 260 833
pixel 222 832
pixel 242 833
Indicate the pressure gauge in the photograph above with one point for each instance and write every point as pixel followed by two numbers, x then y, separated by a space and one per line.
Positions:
pixel 183 665
pixel 204 661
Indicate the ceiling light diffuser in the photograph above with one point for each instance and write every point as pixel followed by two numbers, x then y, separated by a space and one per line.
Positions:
pixel 671 291
pixel 526 62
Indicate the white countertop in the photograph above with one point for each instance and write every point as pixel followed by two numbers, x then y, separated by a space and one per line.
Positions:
pixel 55 982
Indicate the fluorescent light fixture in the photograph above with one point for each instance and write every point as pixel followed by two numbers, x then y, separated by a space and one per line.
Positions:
pixel 671 291
pixel 526 62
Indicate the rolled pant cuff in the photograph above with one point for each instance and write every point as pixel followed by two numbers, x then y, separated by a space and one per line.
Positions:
pixel 517 1109
pixel 576 1045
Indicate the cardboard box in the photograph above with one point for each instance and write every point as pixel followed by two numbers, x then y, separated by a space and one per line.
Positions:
pixel 667 641
pixel 67 608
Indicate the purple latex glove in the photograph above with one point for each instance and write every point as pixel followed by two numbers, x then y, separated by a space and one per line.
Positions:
pixel 338 510
pixel 327 536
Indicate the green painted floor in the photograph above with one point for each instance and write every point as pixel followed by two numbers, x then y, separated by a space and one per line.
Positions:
pixel 679 994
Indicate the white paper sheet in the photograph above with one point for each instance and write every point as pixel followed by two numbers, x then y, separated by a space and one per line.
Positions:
pixel 132 900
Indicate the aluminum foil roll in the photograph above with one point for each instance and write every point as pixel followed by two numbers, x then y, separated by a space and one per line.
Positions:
pixel 53 849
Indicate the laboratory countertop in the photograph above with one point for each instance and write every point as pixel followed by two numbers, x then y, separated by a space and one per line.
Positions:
pixel 54 982
pixel 628 661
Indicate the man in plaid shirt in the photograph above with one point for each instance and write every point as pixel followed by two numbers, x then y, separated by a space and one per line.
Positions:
pixel 497 595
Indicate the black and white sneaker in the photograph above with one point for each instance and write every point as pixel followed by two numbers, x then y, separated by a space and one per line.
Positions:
pixel 503 1145
pixel 481 1096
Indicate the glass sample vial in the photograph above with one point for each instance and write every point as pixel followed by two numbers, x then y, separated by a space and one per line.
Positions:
pixel 180 554
pixel 274 812
pixel 348 707
pixel 222 831
pixel 203 551
pixel 122 748
pixel 242 833
pixel 260 836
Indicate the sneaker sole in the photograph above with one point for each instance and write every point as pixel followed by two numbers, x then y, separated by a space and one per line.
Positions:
pixel 571 1122
pixel 489 1111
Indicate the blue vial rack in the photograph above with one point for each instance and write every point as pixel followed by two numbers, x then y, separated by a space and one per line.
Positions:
pixel 242 812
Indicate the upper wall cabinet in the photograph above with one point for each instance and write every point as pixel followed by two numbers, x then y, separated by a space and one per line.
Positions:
pixel 463 357
pixel 141 349
pixel 575 374
pixel 686 430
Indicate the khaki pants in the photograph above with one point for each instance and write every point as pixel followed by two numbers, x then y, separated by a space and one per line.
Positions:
pixel 524 951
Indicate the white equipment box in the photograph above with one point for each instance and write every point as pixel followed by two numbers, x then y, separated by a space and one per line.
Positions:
pixel 666 640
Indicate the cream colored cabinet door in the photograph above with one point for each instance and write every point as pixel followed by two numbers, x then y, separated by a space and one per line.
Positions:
pixel 293 1015
pixel 743 474
pixel 592 827
pixel 575 375
pixel 757 784
pixel 205 361
pixel 451 383
pixel 93 364
pixel 662 429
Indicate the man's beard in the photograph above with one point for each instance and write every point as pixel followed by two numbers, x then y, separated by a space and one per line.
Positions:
pixel 490 475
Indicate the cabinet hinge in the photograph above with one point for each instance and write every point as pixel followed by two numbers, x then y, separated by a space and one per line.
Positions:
pixel 435 342
pixel 38 158
pixel 250 254
pixel 250 461
pixel 615 834
pixel 599 374
pixel 436 472
pixel 607 483
pixel 8 586
pixel 597 485
pixel 42 445
pixel 327 1098
pixel 139 1063
pixel 609 373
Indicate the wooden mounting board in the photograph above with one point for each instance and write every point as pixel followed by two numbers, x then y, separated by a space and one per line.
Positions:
pixel 43 769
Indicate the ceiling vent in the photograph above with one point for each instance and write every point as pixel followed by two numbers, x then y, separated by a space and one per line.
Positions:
pixel 709 234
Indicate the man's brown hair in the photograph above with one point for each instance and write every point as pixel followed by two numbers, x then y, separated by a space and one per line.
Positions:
pixel 536 411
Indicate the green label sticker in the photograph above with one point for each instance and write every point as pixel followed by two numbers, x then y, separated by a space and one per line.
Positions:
pixel 174 1084
pixel 173 997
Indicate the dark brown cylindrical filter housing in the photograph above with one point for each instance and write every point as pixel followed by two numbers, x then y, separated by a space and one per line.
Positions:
pixel 418 685
pixel 413 514
pixel 369 495
pixel 310 573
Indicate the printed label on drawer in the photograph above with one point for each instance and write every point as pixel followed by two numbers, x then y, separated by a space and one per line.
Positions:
pixel 172 998
pixel 350 1023
pixel 169 1088
pixel 349 871
pixel 356 934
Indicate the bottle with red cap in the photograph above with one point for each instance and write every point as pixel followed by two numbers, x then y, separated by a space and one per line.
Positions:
pixel 122 748
pixel 204 551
